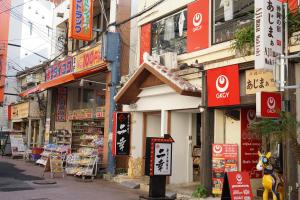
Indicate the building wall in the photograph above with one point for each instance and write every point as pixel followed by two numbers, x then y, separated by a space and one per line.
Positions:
pixel 153 125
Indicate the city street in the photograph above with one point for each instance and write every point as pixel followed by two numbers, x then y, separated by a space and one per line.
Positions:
pixel 17 177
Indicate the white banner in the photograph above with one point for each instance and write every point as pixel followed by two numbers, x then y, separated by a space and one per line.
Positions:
pixel 268 33
pixel 163 159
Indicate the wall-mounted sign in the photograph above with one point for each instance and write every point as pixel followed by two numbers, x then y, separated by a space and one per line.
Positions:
pixel 81 114
pixel 158 156
pixel 268 104
pixel 60 68
pixel 250 144
pixel 268 33
pixel 121 133
pixel 88 59
pixel 197 25
pixel 81 19
pixel 145 43
pixel 237 186
pixel 224 159
pixel 61 104
pixel 259 80
pixel 20 111
pixel 223 86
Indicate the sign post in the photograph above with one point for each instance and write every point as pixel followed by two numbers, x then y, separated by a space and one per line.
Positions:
pixel 158 165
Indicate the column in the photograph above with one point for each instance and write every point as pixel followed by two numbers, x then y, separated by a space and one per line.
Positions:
pixel 41 132
pixel 29 133
pixel 164 123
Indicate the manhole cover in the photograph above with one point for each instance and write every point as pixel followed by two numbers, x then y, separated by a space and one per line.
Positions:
pixel 44 182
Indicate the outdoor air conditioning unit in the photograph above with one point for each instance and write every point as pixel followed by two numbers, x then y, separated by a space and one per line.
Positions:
pixel 169 59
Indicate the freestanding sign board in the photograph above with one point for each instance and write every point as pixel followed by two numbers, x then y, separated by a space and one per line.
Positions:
pixel 237 186
pixel 268 33
pixel 224 159
pixel 268 104
pixel 121 133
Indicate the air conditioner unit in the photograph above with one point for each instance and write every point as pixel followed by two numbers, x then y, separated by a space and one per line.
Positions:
pixel 169 59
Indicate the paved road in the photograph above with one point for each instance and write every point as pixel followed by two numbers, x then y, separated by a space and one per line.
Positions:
pixel 17 177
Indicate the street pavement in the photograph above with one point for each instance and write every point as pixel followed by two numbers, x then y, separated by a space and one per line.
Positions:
pixel 17 177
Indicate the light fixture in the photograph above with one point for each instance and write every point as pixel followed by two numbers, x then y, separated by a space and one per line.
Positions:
pixel 81 83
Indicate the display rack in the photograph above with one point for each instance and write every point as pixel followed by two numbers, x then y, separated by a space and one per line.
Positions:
pixel 61 137
pixel 52 149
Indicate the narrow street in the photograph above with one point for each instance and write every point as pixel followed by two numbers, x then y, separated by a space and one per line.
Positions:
pixel 17 177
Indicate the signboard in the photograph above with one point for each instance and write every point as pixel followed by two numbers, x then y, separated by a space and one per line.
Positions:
pixel 268 104
pixel 224 159
pixel 145 43
pixel 237 186
pixel 268 33
pixel 158 156
pixel 121 134
pixel 81 19
pixel 223 86
pixel 250 144
pixel 17 144
pixel 59 69
pixel 61 104
pixel 88 59
pixel 81 114
pixel 47 130
pixel 197 25
pixel 259 80
pixel 20 111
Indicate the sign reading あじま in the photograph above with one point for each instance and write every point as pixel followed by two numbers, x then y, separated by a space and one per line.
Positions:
pixel 81 19
pixel 223 86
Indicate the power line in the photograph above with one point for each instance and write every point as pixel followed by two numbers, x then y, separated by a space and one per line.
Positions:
pixel 15 6
pixel 17 45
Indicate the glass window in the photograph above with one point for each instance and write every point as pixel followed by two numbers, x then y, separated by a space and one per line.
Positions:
pixel 230 15
pixel 169 34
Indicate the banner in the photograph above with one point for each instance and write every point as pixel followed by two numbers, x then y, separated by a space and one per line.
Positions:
pixel 61 104
pixel 268 33
pixel 81 19
pixel 145 44
pixel 223 86
pixel 197 25
pixel 82 114
pixel 121 134
pixel 250 144
pixel 224 159
pixel 60 68
pixel 259 80
pixel 88 59
pixel 20 111
pixel 268 104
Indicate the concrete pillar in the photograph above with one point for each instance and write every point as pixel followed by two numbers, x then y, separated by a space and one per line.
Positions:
pixel 164 123
pixel 41 133
pixel 29 133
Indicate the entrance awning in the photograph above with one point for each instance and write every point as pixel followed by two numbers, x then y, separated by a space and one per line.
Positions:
pixel 29 91
pixel 149 74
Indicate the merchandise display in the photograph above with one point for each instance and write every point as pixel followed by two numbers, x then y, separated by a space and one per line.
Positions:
pixel 61 137
pixel 50 149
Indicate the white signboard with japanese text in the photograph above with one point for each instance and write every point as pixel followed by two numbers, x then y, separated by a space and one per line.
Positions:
pixel 268 33
pixel 163 159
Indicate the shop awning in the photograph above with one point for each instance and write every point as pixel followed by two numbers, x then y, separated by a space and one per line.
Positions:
pixel 149 74
pixel 30 91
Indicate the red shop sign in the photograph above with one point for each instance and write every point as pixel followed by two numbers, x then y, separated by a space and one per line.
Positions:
pixel 197 25
pixel 223 86
pixel 268 104
pixel 237 186
pixel 250 144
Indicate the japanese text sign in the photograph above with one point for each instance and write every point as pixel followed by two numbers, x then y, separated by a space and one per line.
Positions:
pixel 81 19
pixel 61 104
pixel 121 133
pixel 59 69
pixel 158 156
pixel 88 59
pixel 223 86
pixel 198 25
pixel 259 80
pixel 250 144
pixel 20 111
pixel 268 33
pixel 268 104
pixel 237 186
pixel 224 159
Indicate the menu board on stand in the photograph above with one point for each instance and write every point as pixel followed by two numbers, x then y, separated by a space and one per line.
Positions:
pixel 224 159
pixel 17 145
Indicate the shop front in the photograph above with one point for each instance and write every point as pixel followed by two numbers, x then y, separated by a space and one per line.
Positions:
pixel 161 102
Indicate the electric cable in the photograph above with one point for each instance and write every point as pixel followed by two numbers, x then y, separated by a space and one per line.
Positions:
pixel 15 6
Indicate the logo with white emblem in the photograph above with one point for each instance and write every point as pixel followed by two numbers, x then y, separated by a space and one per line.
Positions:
pixel 222 84
pixel 197 20
pixel 218 149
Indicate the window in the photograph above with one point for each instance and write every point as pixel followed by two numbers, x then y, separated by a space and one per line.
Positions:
pixel 230 15
pixel 169 34
pixel 87 95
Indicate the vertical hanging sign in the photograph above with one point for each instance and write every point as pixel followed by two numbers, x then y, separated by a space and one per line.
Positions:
pixel 61 104
pixel 81 19
pixel 197 25
pixel 268 33
pixel 121 134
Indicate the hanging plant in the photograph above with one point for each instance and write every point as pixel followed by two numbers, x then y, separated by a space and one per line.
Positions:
pixel 243 40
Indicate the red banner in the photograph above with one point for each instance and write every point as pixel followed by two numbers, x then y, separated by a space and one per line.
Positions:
pixel 61 104
pixel 293 4
pixel 250 144
pixel 60 68
pixel 145 44
pixel 81 19
pixel 268 104
pixel 224 159
pixel 223 86
pixel 197 25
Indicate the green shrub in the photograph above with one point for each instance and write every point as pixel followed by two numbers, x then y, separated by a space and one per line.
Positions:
pixel 200 192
